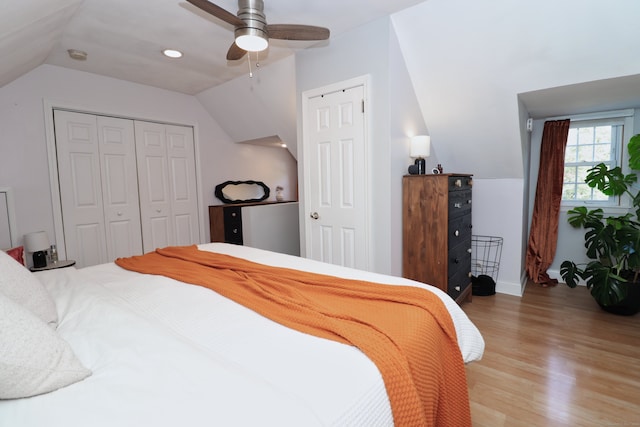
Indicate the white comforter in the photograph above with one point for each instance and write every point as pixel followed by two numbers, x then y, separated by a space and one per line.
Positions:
pixel 168 354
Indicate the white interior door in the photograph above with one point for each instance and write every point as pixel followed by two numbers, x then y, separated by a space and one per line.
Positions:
pixel 336 221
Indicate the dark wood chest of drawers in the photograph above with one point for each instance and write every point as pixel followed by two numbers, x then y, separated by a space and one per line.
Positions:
pixel 436 231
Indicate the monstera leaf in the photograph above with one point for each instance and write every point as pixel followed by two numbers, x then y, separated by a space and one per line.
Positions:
pixel 611 182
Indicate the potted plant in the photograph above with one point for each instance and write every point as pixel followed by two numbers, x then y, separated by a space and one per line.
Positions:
pixel 613 242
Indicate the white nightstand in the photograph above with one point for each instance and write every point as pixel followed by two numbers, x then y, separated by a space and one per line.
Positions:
pixel 59 264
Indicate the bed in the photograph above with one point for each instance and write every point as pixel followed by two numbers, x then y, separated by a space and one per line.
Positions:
pixel 163 353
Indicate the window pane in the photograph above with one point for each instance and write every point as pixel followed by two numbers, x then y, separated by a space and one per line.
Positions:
pixel 569 192
pixel 585 136
pixel 603 134
pixel 598 195
pixel 571 154
pixel 602 153
pixel 583 192
pixel 585 153
pixel 572 138
pixel 570 174
pixel 582 172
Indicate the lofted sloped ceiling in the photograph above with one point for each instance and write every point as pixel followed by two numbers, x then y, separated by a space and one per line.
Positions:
pixel 124 38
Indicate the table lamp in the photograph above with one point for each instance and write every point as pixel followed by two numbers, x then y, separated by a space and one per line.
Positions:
pixel 420 148
pixel 37 243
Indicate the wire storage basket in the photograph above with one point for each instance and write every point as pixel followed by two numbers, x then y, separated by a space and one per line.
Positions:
pixel 485 255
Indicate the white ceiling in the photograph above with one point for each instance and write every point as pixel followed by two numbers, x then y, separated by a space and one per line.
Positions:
pixel 124 38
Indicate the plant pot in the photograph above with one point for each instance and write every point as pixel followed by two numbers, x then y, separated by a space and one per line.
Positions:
pixel 629 305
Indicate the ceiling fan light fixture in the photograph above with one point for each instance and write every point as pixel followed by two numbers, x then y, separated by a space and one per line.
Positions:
pixel 251 39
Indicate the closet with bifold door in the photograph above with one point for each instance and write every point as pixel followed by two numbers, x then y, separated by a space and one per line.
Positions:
pixel 126 186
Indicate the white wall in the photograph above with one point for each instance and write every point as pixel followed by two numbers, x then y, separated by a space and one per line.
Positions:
pixel 23 149
pixel 264 105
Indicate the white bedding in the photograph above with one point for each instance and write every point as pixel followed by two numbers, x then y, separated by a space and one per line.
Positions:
pixel 168 354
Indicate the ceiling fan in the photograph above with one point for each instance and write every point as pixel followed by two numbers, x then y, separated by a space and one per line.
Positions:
pixel 252 33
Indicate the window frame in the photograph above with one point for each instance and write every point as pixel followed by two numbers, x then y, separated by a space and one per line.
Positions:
pixel 617 117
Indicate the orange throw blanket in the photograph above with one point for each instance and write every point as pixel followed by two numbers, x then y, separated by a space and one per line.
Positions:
pixel 407 332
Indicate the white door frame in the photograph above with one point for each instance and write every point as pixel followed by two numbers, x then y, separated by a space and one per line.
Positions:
pixel 365 82
pixel 54 183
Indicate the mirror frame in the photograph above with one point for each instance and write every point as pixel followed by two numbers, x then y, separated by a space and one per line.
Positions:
pixel 220 195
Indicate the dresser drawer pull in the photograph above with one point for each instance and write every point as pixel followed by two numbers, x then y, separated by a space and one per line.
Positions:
pixel 233 214
pixel 456 261
pixel 456 233
pixel 469 250
pixel 235 231
pixel 469 201
pixel 457 288
pixel 458 183
pixel 470 274
pixel 457 205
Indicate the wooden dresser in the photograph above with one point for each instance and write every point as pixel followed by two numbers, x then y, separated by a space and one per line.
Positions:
pixel 263 225
pixel 436 228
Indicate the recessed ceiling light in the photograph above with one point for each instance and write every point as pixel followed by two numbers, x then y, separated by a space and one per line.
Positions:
pixel 171 53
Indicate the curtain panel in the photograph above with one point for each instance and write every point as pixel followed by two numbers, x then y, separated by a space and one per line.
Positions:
pixel 543 236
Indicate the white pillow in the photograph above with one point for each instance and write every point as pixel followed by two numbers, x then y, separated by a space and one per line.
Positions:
pixel 34 359
pixel 23 287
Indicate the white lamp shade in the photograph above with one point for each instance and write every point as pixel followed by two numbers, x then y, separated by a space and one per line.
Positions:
pixel 38 241
pixel 420 146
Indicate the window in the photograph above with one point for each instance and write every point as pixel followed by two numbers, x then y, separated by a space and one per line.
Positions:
pixel 591 141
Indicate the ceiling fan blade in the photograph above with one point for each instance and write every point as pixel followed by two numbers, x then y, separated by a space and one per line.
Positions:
pixel 235 52
pixel 217 11
pixel 297 32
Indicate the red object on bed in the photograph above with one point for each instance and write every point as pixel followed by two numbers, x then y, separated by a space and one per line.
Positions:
pixel 17 254
pixel 406 331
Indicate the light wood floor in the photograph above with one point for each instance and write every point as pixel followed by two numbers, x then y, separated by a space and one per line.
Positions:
pixel 554 358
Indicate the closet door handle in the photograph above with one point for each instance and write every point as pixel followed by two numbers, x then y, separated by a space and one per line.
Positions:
pixel 314 215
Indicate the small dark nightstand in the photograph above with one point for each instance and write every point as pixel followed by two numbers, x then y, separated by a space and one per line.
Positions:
pixel 59 264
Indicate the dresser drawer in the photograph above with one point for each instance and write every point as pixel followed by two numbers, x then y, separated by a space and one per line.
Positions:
pixel 460 258
pixel 460 230
pixel 458 183
pixel 459 203
pixel 458 283
pixel 233 225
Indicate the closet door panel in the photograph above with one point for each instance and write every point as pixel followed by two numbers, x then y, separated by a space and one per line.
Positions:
pixel 154 185
pixel 119 189
pixel 184 203
pixel 80 187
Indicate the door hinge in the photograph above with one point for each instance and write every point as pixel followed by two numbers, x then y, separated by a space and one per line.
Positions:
pixel 363 105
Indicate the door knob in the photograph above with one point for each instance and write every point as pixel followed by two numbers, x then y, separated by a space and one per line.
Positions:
pixel 314 215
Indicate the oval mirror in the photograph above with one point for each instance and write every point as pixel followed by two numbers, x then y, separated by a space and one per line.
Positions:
pixel 242 191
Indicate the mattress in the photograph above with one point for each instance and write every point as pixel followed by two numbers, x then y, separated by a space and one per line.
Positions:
pixel 164 353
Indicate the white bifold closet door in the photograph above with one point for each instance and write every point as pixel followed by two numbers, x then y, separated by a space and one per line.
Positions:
pixel 126 187
pixel 96 169
pixel 166 176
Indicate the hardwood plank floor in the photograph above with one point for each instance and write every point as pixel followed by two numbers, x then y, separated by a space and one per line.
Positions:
pixel 554 358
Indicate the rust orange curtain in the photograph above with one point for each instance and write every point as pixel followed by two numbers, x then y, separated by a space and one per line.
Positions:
pixel 543 236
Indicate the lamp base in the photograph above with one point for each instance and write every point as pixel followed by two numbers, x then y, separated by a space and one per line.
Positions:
pixel 422 164
pixel 39 259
